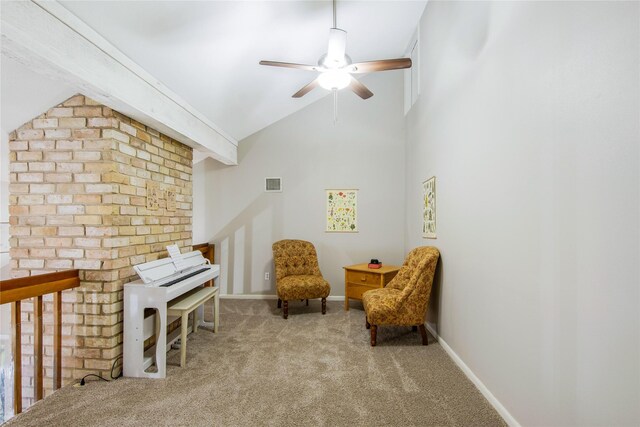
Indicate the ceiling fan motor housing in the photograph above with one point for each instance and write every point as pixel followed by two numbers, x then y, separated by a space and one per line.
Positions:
pixel 336 56
pixel 334 63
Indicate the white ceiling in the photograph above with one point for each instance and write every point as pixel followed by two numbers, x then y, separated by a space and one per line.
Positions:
pixel 26 94
pixel 208 53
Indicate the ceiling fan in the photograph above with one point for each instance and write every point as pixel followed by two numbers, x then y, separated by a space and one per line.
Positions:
pixel 336 69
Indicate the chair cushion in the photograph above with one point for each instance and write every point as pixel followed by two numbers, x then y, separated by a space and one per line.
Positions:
pixel 381 307
pixel 302 287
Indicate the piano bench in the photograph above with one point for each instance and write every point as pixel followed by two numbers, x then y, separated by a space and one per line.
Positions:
pixel 187 303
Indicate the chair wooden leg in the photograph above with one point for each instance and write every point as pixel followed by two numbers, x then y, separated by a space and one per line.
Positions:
pixel 374 330
pixel 423 332
pixel 285 309
pixel 279 303
pixel 307 303
pixel 366 323
pixel 324 305
pixel 414 329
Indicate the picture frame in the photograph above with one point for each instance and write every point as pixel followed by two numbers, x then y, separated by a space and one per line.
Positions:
pixel 341 211
pixel 171 199
pixel 153 195
pixel 429 208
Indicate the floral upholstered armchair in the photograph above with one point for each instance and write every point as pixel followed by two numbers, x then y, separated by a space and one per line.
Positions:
pixel 298 275
pixel 403 302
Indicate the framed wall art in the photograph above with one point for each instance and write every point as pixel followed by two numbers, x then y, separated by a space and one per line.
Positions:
pixel 171 199
pixel 153 195
pixel 342 211
pixel 429 208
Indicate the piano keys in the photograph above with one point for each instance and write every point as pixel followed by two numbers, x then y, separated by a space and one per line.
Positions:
pixel 160 282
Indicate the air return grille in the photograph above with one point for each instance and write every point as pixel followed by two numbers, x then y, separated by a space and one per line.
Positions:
pixel 273 185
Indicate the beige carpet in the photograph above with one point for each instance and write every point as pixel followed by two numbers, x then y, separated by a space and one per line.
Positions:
pixel 263 370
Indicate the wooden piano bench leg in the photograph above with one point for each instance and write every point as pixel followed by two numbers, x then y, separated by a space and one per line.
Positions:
pixel 183 338
pixel 285 309
pixel 189 303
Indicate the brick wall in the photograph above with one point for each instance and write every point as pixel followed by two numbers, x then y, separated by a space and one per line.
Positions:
pixel 79 175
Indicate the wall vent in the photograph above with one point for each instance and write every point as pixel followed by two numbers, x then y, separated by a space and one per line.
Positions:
pixel 273 185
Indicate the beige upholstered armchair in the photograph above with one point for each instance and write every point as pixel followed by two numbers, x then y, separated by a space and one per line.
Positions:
pixel 298 275
pixel 403 302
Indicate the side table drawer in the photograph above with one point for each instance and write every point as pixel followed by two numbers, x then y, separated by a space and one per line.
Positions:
pixel 355 290
pixel 363 278
pixel 359 278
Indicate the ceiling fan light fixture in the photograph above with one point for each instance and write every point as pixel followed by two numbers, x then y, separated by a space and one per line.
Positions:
pixel 334 79
pixel 335 67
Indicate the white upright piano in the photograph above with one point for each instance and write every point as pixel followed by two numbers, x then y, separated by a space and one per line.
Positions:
pixel 160 282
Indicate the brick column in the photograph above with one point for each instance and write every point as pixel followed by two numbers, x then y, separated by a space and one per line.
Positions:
pixel 78 199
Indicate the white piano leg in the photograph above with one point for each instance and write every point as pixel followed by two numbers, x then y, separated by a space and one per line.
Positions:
pixel 161 343
pixel 133 359
pixel 216 311
pixel 202 321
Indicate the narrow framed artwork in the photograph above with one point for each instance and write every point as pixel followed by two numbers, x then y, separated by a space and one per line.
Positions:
pixel 171 199
pixel 342 211
pixel 153 195
pixel 429 208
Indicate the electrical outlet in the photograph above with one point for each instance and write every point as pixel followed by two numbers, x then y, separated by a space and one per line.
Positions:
pixel 266 276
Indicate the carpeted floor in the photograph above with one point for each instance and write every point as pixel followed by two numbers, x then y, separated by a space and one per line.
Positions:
pixel 263 370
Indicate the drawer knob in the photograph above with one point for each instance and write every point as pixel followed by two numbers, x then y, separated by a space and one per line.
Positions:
pixel 364 279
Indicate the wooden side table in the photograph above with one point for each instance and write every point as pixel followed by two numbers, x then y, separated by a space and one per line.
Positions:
pixel 360 278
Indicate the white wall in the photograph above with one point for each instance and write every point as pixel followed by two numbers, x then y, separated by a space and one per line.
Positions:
pixel 24 94
pixel 365 150
pixel 200 219
pixel 529 119
pixel 4 205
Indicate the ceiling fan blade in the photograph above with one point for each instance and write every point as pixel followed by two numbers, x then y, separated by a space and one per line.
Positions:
pixel 306 89
pixel 337 47
pixel 290 65
pixel 360 89
pixel 380 65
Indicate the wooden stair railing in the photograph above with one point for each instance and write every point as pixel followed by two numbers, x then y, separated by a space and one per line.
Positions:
pixel 15 291
pixel 208 251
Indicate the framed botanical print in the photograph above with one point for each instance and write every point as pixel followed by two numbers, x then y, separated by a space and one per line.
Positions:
pixel 153 195
pixel 342 211
pixel 429 208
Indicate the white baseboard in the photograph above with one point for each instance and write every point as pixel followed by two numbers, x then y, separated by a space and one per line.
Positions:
pixel 265 296
pixel 508 418
pixel 247 296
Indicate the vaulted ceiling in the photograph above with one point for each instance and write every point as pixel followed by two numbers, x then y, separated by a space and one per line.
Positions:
pixel 208 52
